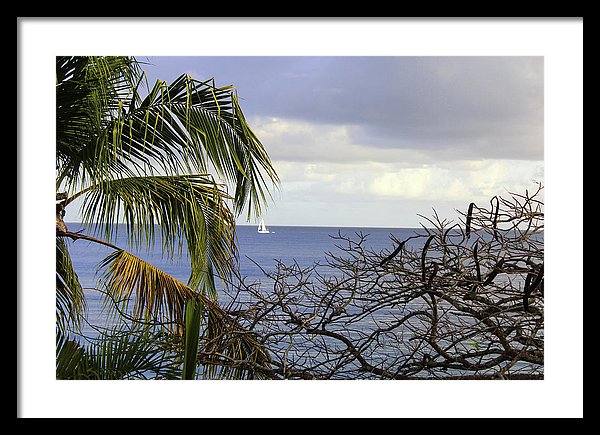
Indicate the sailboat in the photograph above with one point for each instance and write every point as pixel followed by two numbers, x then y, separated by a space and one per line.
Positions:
pixel 262 228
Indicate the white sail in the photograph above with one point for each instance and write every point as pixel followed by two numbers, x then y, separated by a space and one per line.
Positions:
pixel 262 228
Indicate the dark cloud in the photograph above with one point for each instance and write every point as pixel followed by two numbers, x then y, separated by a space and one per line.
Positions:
pixel 478 107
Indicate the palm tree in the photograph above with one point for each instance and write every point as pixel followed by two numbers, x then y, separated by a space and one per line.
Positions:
pixel 179 159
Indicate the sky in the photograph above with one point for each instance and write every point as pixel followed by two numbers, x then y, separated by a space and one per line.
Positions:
pixel 375 141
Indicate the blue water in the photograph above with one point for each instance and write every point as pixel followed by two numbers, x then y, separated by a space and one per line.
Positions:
pixel 287 244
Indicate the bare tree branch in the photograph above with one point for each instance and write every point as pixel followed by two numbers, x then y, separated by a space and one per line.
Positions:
pixel 412 313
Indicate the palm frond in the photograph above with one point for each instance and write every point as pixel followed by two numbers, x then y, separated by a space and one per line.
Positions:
pixel 70 358
pixel 190 126
pixel 252 190
pixel 128 352
pixel 228 349
pixel 187 209
pixel 193 318
pixel 70 299
pixel 157 295
pixel 89 92
pixel 144 156
pixel 106 129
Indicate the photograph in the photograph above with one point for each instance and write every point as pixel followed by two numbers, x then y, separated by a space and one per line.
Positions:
pixel 357 219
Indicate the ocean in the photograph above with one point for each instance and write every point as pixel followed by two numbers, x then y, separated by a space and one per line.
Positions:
pixel 286 244
pixel 260 254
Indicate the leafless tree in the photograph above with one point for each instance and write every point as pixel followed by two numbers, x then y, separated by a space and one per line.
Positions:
pixel 458 300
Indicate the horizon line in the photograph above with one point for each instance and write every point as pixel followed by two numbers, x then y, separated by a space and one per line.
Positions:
pixel 293 225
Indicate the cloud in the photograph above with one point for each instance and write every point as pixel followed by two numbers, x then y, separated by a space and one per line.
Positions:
pixel 461 107
pixel 391 194
pixel 302 141
pixel 316 173
pixel 463 180
pixel 483 107
pixel 370 140
pixel 405 183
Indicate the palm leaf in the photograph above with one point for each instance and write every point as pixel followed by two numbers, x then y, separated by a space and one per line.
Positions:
pixel 193 318
pixel 157 295
pixel 70 358
pixel 88 92
pixel 188 209
pixel 190 126
pixel 228 349
pixel 143 155
pixel 128 352
pixel 134 352
pixel 70 299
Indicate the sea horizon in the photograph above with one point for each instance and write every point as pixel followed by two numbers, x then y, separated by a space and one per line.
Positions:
pixel 283 225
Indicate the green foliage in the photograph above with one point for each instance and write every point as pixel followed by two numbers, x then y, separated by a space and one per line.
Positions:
pixel 130 352
pixel 188 208
pixel 70 299
pixel 161 158
pixel 88 90
pixel 193 319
